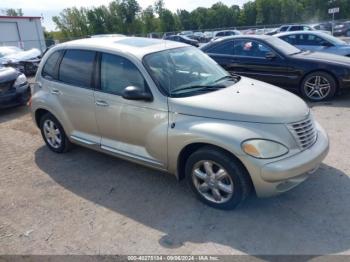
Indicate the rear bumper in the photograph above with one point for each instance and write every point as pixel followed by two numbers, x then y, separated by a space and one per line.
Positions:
pixel 19 96
pixel 283 175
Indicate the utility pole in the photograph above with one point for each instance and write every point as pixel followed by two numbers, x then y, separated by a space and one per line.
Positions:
pixel 332 10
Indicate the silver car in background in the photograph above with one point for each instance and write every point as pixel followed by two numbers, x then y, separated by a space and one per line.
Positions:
pixel 316 41
pixel 169 106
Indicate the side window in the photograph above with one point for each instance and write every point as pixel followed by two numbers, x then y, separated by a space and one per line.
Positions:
pixel 291 39
pixel 251 48
pixel 49 71
pixel 283 28
pixel 117 73
pixel 311 40
pixel 296 28
pixel 223 48
pixel 77 68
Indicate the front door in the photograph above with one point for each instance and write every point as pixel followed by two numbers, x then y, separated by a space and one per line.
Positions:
pixel 136 130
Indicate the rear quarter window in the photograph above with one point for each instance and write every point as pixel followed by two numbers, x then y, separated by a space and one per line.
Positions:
pixel 225 48
pixel 50 68
pixel 77 68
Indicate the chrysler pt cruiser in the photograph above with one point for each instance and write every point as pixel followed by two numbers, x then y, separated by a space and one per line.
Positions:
pixel 169 106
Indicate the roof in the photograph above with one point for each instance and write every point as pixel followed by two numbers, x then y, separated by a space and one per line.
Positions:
pixel 242 37
pixel 20 17
pixel 316 32
pixel 136 46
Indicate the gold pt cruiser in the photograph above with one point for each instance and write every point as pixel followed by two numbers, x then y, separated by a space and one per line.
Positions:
pixel 169 106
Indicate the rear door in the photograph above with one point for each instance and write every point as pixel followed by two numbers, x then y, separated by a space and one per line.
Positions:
pixel 74 92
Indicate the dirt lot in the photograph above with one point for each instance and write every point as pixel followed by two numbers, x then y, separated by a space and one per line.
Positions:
pixel 85 202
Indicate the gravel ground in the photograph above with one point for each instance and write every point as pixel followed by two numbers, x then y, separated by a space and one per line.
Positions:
pixel 85 202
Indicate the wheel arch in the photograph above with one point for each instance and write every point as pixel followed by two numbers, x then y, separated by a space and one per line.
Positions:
pixel 191 148
pixel 40 112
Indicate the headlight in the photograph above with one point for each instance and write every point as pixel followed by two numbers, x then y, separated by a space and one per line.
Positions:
pixel 21 80
pixel 260 148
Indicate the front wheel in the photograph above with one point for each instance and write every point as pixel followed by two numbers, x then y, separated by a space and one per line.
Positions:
pixel 318 86
pixel 217 179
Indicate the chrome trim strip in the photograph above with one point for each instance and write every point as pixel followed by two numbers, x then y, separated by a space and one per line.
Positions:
pixel 81 140
pixel 132 156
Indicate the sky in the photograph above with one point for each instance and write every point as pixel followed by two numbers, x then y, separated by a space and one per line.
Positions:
pixel 50 8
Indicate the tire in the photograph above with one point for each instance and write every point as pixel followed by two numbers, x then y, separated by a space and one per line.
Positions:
pixel 235 175
pixel 47 131
pixel 316 90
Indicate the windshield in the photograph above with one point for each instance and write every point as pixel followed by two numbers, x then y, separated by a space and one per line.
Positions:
pixel 186 71
pixel 283 46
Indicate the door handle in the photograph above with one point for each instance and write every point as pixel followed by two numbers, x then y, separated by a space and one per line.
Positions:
pixel 55 92
pixel 101 103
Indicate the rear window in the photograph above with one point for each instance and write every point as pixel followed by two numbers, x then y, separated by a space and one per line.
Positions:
pixel 50 68
pixel 77 68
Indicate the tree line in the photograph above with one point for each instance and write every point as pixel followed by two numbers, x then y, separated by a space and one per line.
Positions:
pixel 127 17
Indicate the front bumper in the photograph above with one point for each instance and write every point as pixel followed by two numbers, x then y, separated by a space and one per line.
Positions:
pixel 15 97
pixel 283 175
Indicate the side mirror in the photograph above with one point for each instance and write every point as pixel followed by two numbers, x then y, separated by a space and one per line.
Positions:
pixel 270 55
pixel 136 93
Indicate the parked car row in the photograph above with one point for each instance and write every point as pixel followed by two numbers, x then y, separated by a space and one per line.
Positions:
pixel 340 29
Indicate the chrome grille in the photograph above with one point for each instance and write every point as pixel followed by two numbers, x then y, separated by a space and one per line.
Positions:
pixel 304 132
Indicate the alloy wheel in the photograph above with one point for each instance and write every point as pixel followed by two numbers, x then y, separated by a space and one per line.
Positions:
pixel 52 134
pixel 212 181
pixel 317 87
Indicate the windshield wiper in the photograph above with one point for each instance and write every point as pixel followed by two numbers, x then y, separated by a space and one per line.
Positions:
pixel 199 87
pixel 228 77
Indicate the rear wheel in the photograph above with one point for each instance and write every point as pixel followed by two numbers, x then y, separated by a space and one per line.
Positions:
pixel 217 179
pixel 318 86
pixel 53 134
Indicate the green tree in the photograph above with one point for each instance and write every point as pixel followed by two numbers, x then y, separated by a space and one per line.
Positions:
pixel 149 20
pixel 72 22
pixel 167 21
pixel 12 12
pixel 185 19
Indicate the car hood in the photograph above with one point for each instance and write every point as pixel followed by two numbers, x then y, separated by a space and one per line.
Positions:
pixel 8 74
pixel 248 100
pixel 323 57
pixel 21 56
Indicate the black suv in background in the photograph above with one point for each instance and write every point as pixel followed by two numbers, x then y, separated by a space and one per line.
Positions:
pixel 342 29
pixel 14 88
